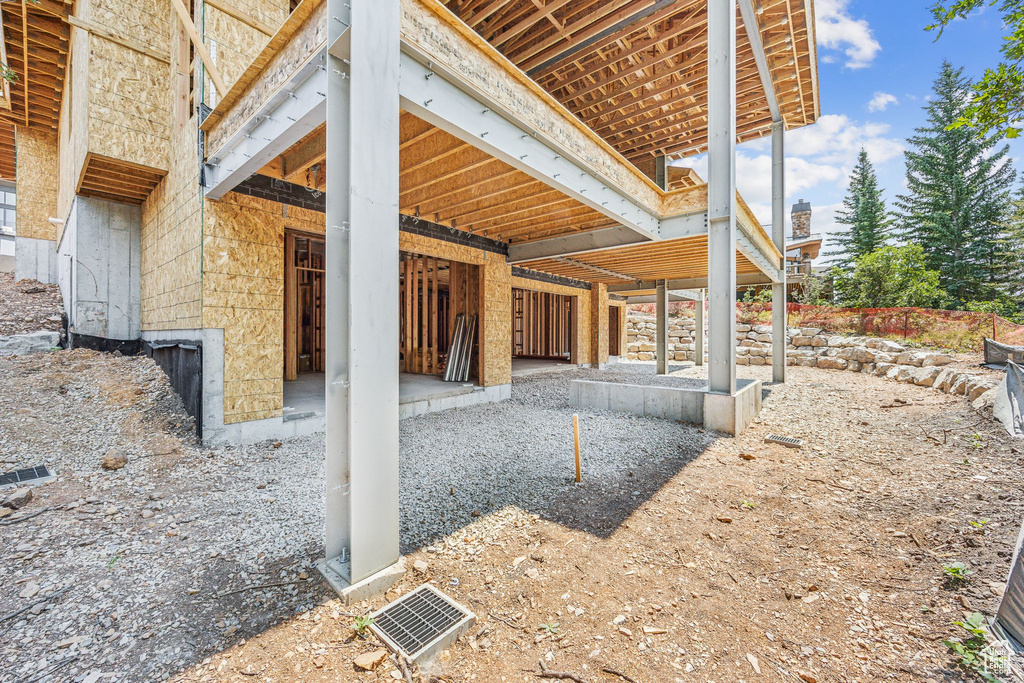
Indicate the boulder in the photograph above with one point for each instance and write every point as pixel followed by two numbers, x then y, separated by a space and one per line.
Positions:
pixel 905 373
pixel 764 338
pixel 368 661
pixel 801 340
pixel 985 400
pixel 853 366
pixel 114 460
pixel 862 354
pixel 810 331
pixel 925 377
pixel 832 363
pixel 757 360
pixel 936 359
pixel 742 328
pixel 884 345
pixel 882 369
pixel 819 341
pixel 977 388
pixel 18 498
pixel 868 367
pixel 25 344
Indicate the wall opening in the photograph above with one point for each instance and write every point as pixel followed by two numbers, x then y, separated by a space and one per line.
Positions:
pixel 543 325
pixel 614 330
pixel 432 293
pixel 303 305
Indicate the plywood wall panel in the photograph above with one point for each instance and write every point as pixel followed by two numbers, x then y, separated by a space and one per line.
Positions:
pixel 496 320
pixel 130 103
pixel 599 323
pixel 36 182
pixel 306 41
pixel 243 294
pixel 172 241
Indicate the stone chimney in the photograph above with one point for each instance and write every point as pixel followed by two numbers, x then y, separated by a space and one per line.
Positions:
pixel 801 219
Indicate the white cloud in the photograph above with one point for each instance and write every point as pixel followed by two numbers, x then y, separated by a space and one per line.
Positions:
pixel 837 30
pixel 881 101
pixel 819 159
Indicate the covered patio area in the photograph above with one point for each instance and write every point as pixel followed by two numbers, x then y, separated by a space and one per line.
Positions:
pixel 426 135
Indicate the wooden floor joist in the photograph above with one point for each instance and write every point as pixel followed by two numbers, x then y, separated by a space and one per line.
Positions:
pixel 636 71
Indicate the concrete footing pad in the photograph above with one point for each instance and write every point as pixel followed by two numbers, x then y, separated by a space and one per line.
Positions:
pixel 733 413
pixel 720 412
pixel 335 571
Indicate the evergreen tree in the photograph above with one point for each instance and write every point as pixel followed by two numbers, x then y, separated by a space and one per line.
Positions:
pixel 868 221
pixel 959 194
pixel 1010 253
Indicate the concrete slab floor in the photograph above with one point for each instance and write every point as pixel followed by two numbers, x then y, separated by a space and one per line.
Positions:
pixel 304 397
pixel 521 367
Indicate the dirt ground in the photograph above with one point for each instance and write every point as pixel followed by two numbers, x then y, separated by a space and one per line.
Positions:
pixel 823 563
pixel 28 306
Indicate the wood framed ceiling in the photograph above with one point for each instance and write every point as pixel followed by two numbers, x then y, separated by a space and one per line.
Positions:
pixel 7 153
pixel 669 259
pixel 635 71
pixel 35 35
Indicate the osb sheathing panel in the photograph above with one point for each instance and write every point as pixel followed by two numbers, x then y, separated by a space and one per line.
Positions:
pixel 583 311
pixel 144 21
pixel 431 28
pixel 427 246
pixel 36 182
pixel 233 43
pixel 496 320
pixel 306 41
pixel 130 101
pixel 599 323
pixel 74 121
pixel 243 294
pixel 172 242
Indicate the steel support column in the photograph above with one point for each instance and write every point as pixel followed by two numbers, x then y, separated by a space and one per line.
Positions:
pixel 779 237
pixel 361 289
pixel 661 327
pixel 722 196
pixel 698 332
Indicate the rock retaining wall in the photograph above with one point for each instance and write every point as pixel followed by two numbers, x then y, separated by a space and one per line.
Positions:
pixel 812 347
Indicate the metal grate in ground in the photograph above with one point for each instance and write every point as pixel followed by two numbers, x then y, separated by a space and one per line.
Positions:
pixel 29 475
pixel 787 441
pixel 421 623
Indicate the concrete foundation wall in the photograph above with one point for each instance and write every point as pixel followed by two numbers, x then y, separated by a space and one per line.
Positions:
pixel 99 268
pixel 730 414
pixel 35 259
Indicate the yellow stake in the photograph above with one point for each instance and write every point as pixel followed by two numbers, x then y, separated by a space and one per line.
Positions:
pixel 576 438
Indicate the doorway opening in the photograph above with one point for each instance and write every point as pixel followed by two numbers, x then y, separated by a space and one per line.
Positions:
pixel 433 293
pixel 614 331
pixel 303 324
pixel 543 329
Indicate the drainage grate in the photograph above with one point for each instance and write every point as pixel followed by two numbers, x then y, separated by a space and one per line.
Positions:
pixel 29 475
pixel 787 441
pixel 421 623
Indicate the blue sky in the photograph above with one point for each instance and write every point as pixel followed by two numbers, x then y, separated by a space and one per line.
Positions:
pixel 876 68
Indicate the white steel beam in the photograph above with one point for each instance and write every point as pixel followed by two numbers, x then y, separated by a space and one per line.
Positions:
pixel 722 196
pixel 569 245
pixel 698 332
pixel 436 96
pixel 779 238
pixel 753 30
pixel 362 328
pixel 289 115
pixel 744 280
pixel 661 328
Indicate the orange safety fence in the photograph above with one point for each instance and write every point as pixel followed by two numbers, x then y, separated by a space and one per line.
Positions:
pixel 960 330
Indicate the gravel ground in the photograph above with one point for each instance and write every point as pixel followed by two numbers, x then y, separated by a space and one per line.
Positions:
pixel 248 515
pixel 28 306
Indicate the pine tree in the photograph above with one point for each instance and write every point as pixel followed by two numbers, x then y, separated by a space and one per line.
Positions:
pixel 864 212
pixel 1010 254
pixel 958 195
